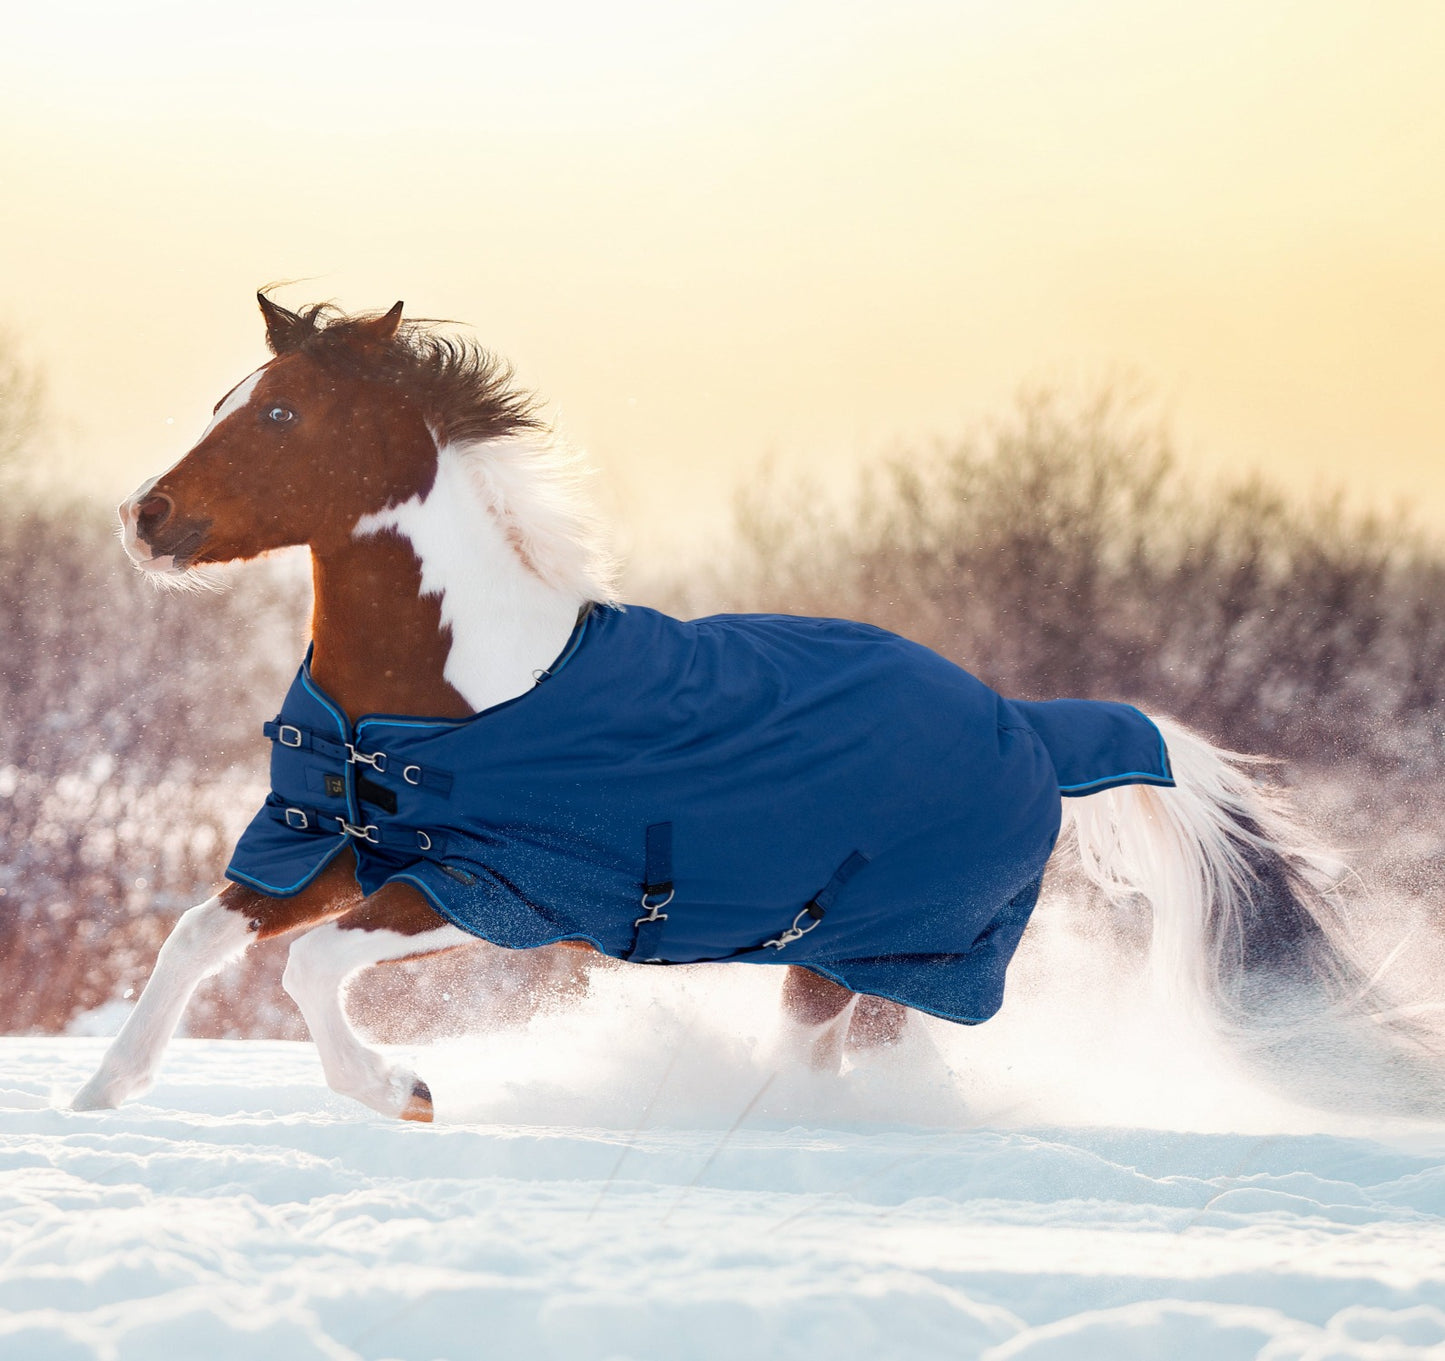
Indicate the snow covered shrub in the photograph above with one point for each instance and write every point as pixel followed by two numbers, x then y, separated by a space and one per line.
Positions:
pixel 1066 553
pixel 128 756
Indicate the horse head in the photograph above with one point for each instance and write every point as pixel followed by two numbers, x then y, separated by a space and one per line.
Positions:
pixel 444 519
pixel 323 434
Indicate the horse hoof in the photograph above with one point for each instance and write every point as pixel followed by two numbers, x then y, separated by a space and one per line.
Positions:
pixel 86 1100
pixel 96 1096
pixel 419 1106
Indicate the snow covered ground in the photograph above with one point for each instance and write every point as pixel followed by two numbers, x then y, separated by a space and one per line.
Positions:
pixel 635 1177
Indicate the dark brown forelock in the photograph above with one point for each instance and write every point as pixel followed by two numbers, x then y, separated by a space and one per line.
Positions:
pixel 466 393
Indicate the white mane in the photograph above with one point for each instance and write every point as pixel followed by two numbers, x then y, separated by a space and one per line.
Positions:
pixel 535 485
pixel 506 540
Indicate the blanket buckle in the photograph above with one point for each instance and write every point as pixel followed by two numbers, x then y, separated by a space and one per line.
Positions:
pixel 376 759
pixel 813 912
pixel 654 909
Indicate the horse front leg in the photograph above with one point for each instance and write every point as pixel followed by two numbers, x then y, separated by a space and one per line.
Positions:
pixel 204 940
pixel 394 924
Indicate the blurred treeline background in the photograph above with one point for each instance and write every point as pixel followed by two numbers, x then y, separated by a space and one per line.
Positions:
pixel 1064 551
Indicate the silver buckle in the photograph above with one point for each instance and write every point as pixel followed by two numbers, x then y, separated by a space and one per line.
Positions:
pixel 376 759
pixel 369 833
pixel 794 932
pixel 406 774
pixel 654 910
pixel 300 813
pixel 423 841
pixel 294 741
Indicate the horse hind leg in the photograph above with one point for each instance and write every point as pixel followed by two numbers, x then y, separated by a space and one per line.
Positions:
pixel 818 1012
pixel 877 1023
pixel 394 924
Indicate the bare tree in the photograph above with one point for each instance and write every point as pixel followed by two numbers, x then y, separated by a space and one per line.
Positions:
pixel 21 403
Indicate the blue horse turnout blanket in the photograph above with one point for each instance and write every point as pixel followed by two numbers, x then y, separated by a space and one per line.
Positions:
pixel 758 788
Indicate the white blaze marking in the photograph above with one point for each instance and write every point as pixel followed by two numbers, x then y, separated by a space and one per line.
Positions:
pixel 239 396
pixel 144 490
pixel 140 553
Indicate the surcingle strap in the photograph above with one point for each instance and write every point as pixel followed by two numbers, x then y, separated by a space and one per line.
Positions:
pixel 649 928
pixel 657 893
pixel 658 867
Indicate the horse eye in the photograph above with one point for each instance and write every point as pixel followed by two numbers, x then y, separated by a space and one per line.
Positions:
pixel 280 415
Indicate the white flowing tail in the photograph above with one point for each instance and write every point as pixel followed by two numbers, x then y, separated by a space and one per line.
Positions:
pixel 1243 904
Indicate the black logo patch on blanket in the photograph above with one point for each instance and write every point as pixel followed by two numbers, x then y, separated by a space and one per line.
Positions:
pixel 383 798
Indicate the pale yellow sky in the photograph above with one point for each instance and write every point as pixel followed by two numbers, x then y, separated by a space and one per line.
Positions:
pixel 713 232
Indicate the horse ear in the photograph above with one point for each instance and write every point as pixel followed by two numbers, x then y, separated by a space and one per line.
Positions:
pixel 283 328
pixel 383 328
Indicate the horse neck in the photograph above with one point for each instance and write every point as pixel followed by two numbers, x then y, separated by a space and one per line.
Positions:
pixel 430 609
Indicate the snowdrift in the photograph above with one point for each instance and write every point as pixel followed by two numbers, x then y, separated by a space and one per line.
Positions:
pixel 634 1177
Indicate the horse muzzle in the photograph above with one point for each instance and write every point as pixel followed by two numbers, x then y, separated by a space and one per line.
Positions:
pixel 156 539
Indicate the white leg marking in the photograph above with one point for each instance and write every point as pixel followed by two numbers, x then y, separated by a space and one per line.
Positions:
pixel 203 941
pixel 319 966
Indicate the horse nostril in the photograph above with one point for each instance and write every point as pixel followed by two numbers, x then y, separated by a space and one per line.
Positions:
pixel 152 513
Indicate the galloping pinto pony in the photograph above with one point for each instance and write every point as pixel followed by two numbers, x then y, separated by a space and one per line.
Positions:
pixel 482 743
